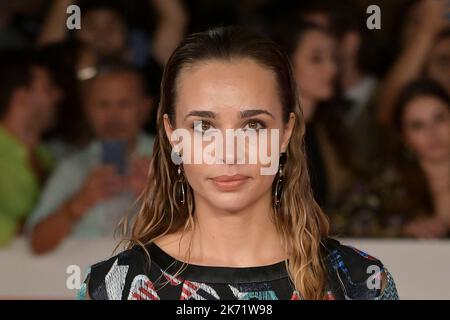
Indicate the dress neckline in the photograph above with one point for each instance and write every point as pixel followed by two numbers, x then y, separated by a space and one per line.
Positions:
pixel 216 274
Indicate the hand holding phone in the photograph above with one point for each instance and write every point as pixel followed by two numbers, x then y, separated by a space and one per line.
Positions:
pixel 114 153
pixel 101 184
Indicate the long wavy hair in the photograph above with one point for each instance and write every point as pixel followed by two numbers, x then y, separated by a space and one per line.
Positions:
pixel 299 220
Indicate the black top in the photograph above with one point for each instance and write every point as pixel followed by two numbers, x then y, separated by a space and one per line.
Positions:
pixel 131 275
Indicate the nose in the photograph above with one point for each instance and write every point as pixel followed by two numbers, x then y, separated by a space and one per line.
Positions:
pixel 233 149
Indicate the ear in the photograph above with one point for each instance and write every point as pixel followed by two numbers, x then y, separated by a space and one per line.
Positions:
pixel 288 129
pixel 168 128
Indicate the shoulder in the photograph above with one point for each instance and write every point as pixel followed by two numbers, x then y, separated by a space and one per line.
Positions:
pixel 354 259
pixel 82 157
pixel 45 157
pixel 75 166
pixel 355 274
pixel 56 190
pixel 7 143
pixel 110 279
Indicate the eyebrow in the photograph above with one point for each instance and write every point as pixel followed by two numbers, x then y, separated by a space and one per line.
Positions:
pixel 244 114
pixel 201 113
pixel 254 112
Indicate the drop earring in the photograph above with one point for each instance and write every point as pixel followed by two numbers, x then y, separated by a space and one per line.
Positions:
pixel 279 185
pixel 180 192
pixel 179 189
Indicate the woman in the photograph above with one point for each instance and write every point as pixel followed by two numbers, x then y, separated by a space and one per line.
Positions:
pixel 312 50
pixel 105 35
pixel 423 51
pixel 422 120
pixel 419 170
pixel 105 31
pixel 224 230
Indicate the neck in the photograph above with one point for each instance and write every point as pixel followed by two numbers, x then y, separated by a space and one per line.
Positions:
pixel 244 238
pixel 308 106
pixel 23 130
pixel 437 173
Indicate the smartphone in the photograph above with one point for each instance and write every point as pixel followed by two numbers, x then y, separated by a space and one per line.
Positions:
pixel 114 153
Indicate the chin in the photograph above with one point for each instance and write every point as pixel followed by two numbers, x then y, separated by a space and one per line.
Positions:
pixel 326 95
pixel 230 202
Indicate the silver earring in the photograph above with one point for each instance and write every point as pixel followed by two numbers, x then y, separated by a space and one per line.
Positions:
pixel 180 192
pixel 279 185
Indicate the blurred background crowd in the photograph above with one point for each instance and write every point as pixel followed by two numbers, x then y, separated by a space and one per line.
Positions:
pixel 376 104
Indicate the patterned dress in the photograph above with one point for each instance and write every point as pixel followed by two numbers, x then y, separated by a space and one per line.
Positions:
pixel 352 274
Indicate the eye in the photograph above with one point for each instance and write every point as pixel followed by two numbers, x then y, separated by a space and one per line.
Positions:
pixel 416 126
pixel 254 125
pixel 202 126
pixel 440 118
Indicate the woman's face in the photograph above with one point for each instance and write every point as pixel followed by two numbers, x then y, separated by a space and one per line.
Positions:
pixel 438 66
pixel 315 65
pixel 239 95
pixel 426 128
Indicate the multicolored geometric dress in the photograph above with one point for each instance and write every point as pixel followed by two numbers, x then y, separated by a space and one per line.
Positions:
pixel 131 275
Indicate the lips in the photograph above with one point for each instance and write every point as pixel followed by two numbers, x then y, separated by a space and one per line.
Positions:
pixel 229 183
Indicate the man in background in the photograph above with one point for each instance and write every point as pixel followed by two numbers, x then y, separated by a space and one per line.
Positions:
pixel 94 188
pixel 28 99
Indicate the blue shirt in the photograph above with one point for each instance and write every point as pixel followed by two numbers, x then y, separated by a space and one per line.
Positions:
pixel 68 178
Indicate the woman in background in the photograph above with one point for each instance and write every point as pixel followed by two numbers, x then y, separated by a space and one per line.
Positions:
pixel 411 197
pixel 312 50
pixel 424 52
pixel 422 122
pixel 109 32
